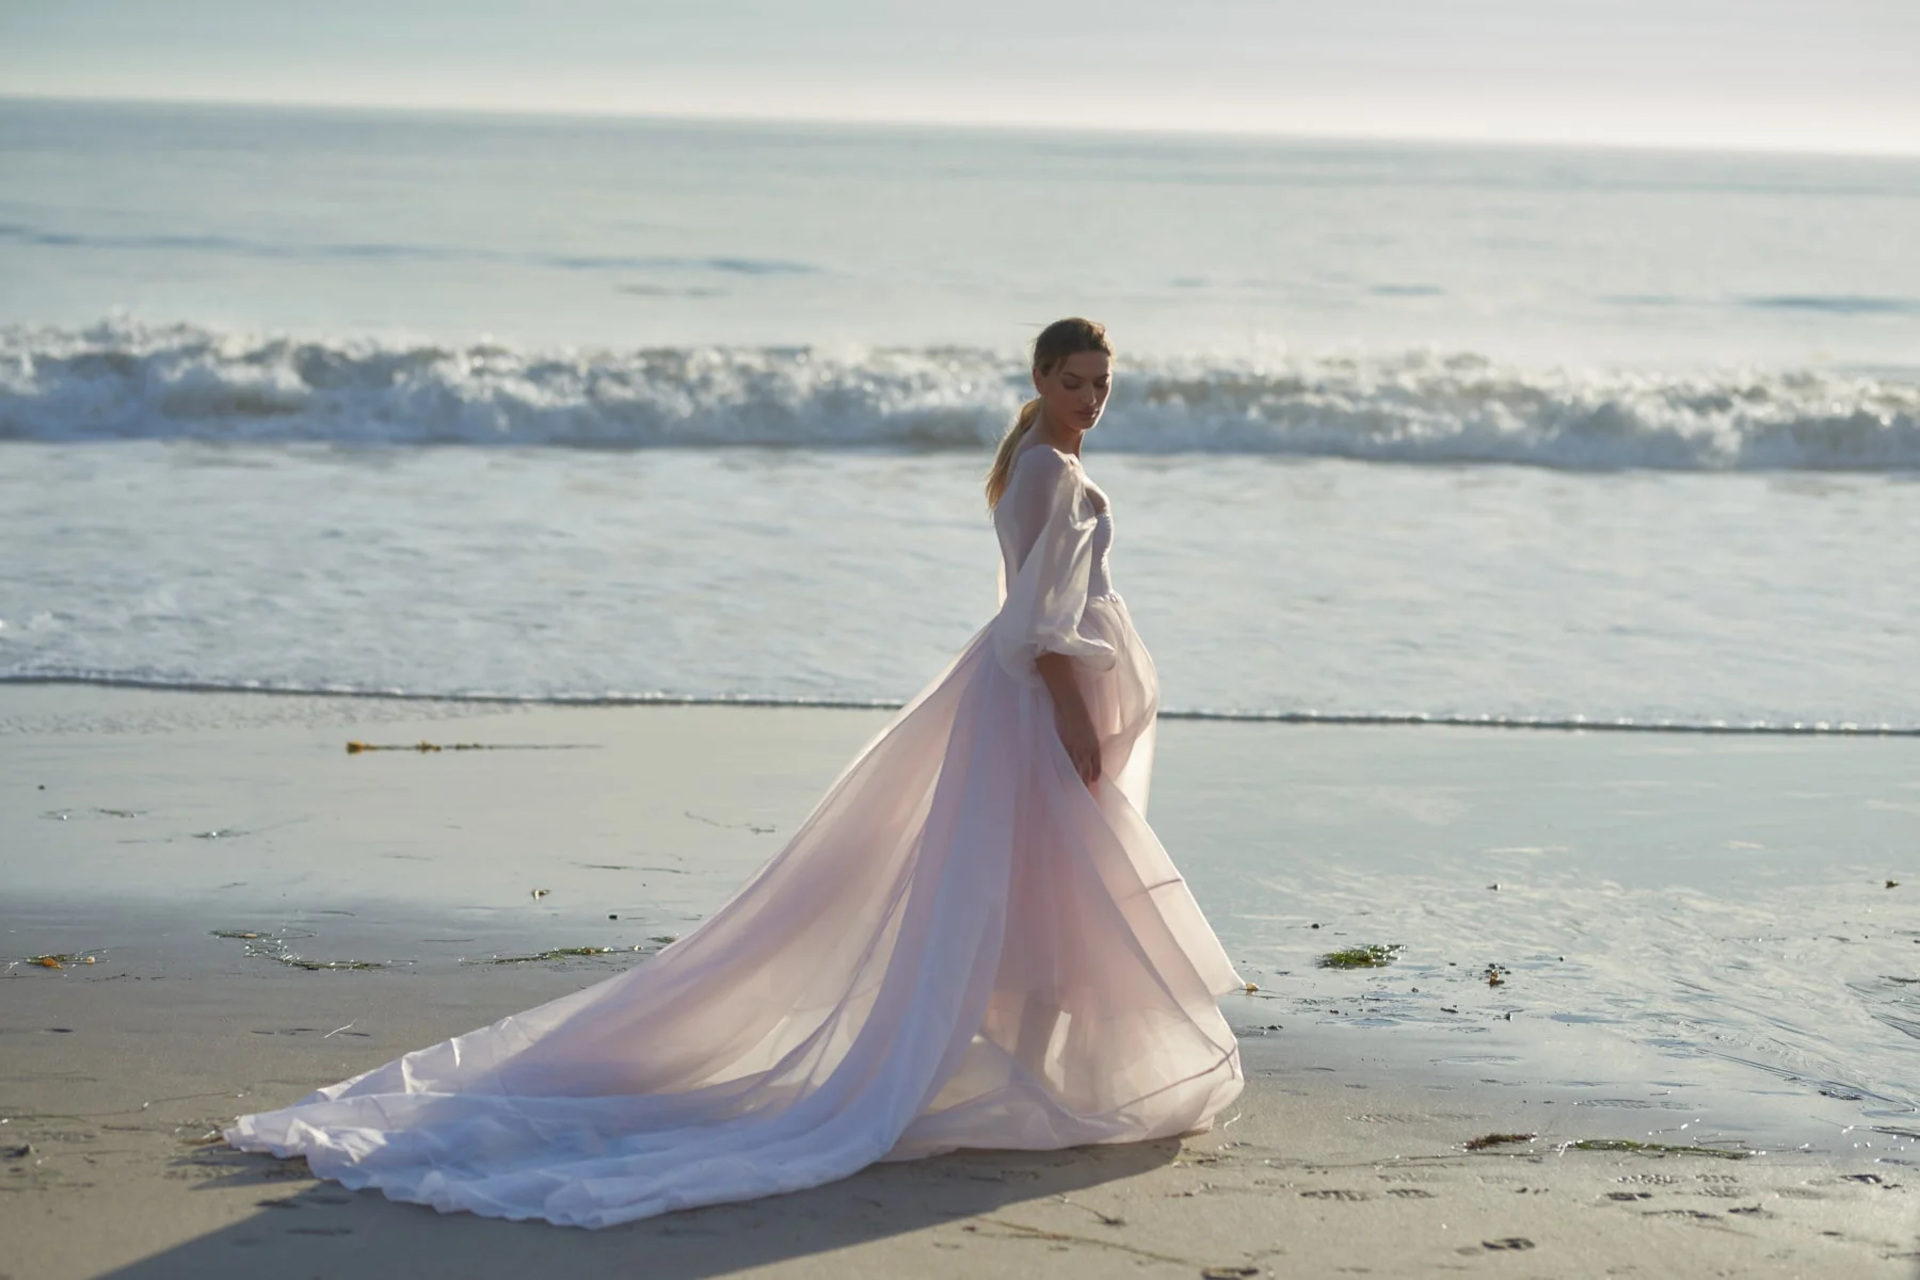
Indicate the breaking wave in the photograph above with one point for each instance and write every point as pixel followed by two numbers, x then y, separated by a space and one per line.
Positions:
pixel 125 380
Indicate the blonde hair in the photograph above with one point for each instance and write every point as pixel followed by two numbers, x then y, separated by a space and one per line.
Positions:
pixel 1062 338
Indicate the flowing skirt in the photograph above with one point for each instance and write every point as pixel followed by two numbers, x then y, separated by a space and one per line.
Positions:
pixel 962 946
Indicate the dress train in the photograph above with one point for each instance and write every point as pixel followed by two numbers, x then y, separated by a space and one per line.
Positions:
pixel 962 946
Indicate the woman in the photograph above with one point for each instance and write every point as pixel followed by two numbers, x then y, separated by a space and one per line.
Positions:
pixel 974 940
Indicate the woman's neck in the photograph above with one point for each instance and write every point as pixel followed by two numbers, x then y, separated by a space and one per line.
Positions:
pixel 1065 439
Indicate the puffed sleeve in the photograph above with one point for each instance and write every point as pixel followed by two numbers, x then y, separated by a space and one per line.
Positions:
pixel 1046 529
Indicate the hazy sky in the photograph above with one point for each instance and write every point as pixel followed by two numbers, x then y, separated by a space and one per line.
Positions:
pixel 1824 74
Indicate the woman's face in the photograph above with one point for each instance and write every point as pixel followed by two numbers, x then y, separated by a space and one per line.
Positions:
pixel 1074 392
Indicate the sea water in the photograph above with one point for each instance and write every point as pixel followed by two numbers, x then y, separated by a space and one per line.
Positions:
pixel 586 408
pixel 553 409
pixel 1264 586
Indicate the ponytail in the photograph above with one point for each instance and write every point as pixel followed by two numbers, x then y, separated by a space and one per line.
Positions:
pixel 1002 469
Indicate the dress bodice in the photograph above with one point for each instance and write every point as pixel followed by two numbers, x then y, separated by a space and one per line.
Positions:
pixel 1056 534
pixel 1022 519
pixel 1100 575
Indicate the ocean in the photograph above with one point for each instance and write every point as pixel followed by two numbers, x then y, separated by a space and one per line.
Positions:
pixel 595 410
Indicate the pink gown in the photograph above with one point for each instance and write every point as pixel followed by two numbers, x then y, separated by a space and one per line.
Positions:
pixel 962 946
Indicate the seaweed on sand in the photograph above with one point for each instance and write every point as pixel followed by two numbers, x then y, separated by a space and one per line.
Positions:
pixel 357 748
pixel 275 949
pixel 60 959
pixel 1651 1148
pixel 556 953
pixel 278 952
pixel 1374 956
pixel 1489 1140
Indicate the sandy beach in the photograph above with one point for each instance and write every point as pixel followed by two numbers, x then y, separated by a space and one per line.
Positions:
pixel 244 911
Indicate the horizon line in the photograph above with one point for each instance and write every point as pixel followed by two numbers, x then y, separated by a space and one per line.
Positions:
pixel 1908 151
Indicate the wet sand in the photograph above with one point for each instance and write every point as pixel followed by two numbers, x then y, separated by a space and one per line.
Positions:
pixel 114 1082
pixel 166 818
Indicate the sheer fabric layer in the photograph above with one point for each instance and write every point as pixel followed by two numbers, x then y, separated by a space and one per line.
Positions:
pixel 962 946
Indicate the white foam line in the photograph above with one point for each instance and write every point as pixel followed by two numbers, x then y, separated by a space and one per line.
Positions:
pixel 1575 724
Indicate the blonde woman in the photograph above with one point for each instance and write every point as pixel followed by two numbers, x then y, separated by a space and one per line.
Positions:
pixel 974 940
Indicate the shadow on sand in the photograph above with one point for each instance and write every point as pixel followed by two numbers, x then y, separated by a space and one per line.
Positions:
pixel 303 1229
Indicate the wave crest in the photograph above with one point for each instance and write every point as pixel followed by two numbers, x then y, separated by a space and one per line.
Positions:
pixel 126 380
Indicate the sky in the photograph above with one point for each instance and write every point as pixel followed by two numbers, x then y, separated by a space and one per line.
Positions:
pixel 1827 75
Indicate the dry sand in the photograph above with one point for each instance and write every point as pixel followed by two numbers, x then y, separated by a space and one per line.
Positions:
pixel 112 1075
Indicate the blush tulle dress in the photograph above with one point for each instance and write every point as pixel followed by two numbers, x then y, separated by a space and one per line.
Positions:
pixel 962 946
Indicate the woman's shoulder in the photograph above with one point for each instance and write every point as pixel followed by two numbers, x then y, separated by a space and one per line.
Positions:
pixel 1042 460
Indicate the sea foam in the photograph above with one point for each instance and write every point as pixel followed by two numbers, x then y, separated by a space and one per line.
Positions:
pixel 127 380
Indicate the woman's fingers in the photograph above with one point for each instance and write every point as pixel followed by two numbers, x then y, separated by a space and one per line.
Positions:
pixel 1083 750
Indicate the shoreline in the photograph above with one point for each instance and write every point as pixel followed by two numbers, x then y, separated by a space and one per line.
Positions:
pixel 1384 719
pixel 154 830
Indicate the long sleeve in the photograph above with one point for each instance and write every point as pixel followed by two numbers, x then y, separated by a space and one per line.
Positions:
pixel 1046 531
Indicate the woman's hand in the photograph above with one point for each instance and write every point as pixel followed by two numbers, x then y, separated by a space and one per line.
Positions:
pixel 1070 718
pixel 1082 744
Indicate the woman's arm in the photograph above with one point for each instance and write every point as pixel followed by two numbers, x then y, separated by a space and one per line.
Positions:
pixel 1070 716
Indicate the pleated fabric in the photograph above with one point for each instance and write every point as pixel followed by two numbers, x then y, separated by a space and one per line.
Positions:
pixel 962 946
